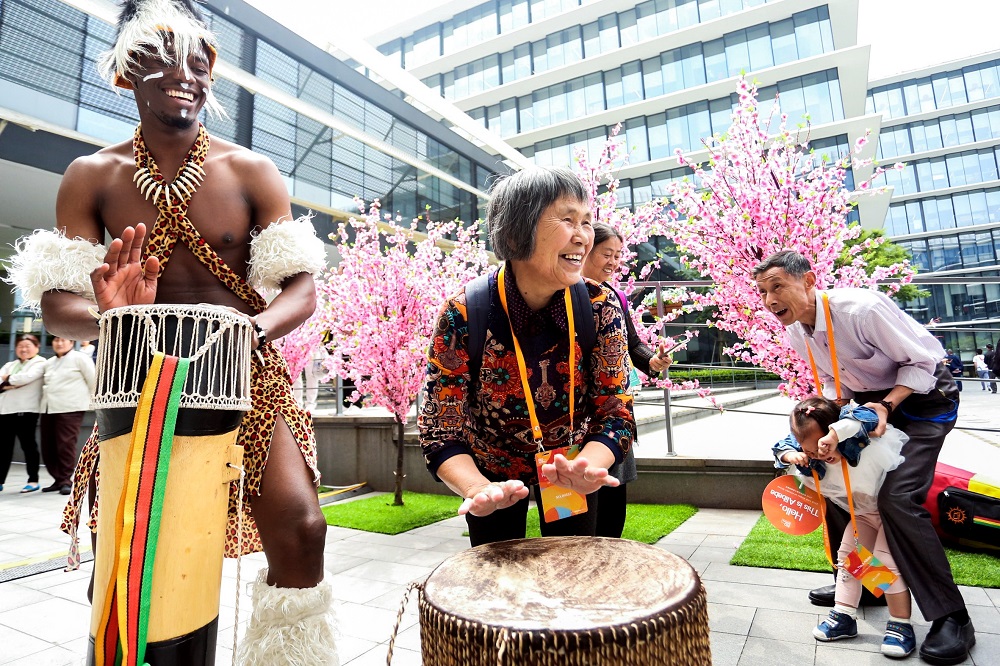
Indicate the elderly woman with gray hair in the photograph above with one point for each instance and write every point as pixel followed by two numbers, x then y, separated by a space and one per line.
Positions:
pixel 534 387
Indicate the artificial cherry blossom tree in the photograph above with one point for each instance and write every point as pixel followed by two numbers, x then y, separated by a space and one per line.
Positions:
pixel 381 302
pixel 636 227
pixel 298 345
pixel 755 195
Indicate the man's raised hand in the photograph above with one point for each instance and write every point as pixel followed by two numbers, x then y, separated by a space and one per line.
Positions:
pixel 123 278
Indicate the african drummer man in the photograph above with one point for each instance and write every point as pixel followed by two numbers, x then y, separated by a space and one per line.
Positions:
pixel 219 230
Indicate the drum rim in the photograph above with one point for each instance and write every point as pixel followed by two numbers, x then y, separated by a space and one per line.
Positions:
pixel 686 595
pixel 221 320
pixel 226 312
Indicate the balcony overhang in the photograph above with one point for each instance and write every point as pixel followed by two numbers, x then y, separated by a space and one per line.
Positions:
pixel 843 18
pixel 851 65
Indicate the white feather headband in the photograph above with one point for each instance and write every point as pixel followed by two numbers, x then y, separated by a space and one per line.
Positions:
pixel 47 260
pixel 143 27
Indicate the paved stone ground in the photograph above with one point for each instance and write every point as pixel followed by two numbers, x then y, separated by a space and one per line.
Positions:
pixel 757 616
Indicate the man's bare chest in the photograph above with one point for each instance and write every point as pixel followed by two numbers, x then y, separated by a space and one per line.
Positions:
pixel 219 215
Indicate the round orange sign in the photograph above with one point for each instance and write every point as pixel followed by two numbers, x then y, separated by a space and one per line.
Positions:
pixel 791 507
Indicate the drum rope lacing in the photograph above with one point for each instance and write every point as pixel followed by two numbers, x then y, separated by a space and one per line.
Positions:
pixel 399 617
pixel 210 384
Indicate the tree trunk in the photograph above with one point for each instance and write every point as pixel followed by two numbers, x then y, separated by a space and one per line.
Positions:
pixel 398 500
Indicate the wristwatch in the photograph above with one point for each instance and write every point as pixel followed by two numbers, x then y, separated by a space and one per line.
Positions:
pixel 888 406
pixel 262 334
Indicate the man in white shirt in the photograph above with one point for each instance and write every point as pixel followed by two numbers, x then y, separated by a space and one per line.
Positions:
pixel 890 363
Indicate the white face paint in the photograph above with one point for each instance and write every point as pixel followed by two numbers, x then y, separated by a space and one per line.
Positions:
pixel 184 113
pixel 185 86
pixel 154 75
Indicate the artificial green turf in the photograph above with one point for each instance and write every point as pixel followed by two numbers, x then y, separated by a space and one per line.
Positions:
pixel 646 523
pixel 377 514
pixel 766 546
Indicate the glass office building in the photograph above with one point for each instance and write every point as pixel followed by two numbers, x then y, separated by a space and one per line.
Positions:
pixel 333 133
pixel 552 77
pixel 944 124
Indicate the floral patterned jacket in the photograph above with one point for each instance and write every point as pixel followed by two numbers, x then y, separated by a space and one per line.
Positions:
pixel 489 420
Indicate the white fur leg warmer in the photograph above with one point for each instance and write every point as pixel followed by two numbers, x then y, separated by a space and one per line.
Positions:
pixel 289 626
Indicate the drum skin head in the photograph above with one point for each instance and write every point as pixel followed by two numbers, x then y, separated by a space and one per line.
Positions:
pixel 561 583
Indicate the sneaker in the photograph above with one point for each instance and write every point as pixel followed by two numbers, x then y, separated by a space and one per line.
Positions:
pixel 835 627
pixel 899 640
pixel 30 487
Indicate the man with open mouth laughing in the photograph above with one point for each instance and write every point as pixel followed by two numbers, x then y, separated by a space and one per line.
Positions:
pixel 220 215
pixel 889 363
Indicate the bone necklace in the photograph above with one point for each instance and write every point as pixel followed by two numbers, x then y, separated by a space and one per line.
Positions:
pixel 151 182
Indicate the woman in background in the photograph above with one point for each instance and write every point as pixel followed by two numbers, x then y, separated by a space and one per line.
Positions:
pixel 21 386
pixel 603 263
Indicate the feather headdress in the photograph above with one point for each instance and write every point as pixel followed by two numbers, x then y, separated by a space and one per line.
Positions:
pixel 144 27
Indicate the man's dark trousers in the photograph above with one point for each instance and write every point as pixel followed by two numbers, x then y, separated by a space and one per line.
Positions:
pixel 913 542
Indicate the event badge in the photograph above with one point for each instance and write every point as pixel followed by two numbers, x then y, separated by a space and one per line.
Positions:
pixel 558 502
pixel 867 568
pixel 791 506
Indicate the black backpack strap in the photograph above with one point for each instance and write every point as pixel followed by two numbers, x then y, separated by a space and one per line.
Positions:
pixel 583 316
pixel 477 305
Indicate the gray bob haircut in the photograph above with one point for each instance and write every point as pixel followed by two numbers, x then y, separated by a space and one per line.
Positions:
pixel 790 261
pixel 517 201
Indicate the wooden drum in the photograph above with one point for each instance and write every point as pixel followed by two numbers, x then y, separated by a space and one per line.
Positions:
pixel 173 383
pixel 566 601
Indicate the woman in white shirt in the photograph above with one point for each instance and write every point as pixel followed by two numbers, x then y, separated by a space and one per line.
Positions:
pixel 21 385
pixel 68 384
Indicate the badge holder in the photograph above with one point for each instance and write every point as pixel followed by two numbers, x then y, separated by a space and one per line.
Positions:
pixel 860 562
pixel 558 502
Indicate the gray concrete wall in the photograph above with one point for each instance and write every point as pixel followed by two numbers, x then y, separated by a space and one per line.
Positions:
pixel 353 449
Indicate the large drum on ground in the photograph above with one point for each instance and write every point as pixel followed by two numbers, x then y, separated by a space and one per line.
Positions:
pixel 173 383
pixel 565 601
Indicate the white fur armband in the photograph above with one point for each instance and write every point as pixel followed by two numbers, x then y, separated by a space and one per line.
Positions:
pixel 47 260
pixel 283 249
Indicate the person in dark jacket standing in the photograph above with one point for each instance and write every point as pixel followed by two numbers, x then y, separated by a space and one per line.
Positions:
pixel 955 365
pixel 991 357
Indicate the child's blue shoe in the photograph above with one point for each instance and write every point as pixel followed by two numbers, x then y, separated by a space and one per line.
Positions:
pixel 899 640
pixel 835 627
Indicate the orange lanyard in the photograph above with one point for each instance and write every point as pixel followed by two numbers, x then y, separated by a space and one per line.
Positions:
pixel 536 428
pixel 843 462
pixel 833 351
pixel 822 509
